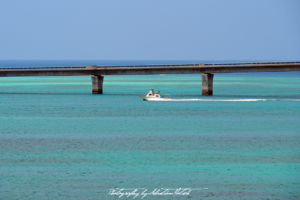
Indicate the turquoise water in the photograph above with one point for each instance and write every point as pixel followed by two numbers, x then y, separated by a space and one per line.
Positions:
pixel 58 141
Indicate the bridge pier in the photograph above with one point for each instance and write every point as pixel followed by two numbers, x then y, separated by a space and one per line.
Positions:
pixel 97 82
pixel 207 84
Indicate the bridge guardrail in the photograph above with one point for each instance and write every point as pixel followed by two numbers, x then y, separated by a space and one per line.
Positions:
pixel 166 65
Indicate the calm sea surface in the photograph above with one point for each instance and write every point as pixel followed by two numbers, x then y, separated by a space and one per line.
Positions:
pixel 58 141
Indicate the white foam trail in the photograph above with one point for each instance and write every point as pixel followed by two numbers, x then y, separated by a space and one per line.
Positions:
pixel 245 100
pixel 213 100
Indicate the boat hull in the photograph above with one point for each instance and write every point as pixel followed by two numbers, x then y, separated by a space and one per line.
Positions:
pixel 155 98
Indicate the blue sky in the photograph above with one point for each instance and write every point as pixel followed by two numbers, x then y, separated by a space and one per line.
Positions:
pixel 150 30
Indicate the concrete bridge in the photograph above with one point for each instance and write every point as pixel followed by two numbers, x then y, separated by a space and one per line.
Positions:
pixel 206 70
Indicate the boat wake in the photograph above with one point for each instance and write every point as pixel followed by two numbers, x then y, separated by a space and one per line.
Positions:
pixel 226 100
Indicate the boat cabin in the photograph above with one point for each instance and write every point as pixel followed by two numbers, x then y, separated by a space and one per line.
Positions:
pixel 151 93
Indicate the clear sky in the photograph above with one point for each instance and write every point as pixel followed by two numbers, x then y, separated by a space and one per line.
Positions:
pixel 150 30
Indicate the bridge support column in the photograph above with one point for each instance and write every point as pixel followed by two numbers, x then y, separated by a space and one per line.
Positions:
pixel 207 84
pixel 97 82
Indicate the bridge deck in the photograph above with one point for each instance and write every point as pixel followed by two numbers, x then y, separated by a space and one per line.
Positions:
pixel 152 69
pixel 166 65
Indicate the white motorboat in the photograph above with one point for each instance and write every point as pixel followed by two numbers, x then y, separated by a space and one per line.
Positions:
pixel 155 96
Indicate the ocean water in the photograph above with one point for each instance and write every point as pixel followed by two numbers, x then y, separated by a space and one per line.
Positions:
pixel 59 141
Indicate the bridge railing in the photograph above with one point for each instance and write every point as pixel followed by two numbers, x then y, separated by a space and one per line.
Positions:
pixel 41 68
pixel 164 65
pixel 256 63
